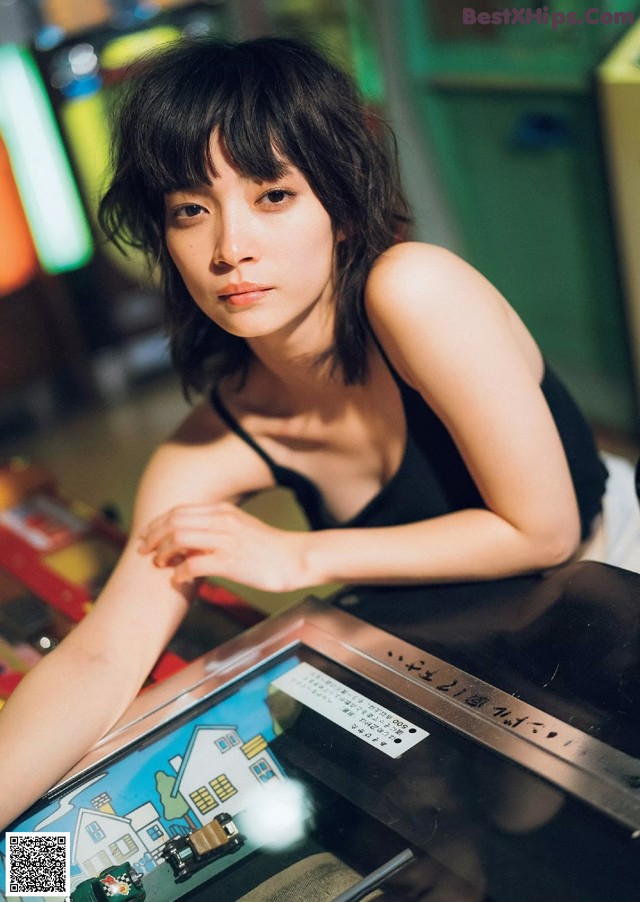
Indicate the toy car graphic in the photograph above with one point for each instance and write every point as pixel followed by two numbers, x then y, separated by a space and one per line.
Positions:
pixel 111 885
pixel 187 854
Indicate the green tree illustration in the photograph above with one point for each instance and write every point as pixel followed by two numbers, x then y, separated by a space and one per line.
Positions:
pixel 173 806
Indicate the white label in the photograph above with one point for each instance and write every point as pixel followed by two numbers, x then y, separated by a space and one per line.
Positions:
pixel 352 711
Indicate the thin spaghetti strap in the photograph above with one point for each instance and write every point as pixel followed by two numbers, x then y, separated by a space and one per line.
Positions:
pixel 402 385
pixel 234 426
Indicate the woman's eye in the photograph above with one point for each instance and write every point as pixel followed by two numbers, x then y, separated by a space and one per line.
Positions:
pixel 277 196
pixel 189 210
pixel 182 213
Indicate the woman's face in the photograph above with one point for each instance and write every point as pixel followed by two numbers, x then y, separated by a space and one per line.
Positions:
pixel 256 257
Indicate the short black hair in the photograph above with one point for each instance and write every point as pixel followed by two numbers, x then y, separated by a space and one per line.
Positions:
pixel 271 99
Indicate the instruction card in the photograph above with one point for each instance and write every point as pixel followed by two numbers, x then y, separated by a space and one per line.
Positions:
pixel 352 711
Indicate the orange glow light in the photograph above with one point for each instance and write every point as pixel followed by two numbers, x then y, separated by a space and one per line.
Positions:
pixel 18 260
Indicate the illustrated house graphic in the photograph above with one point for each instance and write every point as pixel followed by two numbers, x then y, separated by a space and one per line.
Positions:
pixel 148 828
pixel 102 839
pixel 219 769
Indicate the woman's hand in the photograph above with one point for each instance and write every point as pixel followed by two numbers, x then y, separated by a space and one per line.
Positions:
pixel 222 540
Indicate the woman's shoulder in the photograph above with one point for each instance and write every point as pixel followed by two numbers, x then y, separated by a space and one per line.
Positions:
pixel 416 255
pixel 417 283
pixel 414 269
pixel 424 302
pixel 200 428
pixel 415 252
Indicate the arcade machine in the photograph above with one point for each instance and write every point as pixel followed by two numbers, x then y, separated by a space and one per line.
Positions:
pixel 481 741
pixel 619 91
pixel 45 234
pixel 506 98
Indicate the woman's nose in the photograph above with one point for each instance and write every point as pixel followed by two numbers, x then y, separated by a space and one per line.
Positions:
pixel 235 239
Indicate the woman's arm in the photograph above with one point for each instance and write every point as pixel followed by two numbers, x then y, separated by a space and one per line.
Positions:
pixel 75 694
pixel 452 336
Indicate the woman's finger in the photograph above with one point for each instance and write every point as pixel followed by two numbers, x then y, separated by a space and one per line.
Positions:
pixel 184 542
pixel 191 516
pixel 196 566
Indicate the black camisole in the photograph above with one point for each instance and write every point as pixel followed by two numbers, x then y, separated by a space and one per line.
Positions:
pixel 432 478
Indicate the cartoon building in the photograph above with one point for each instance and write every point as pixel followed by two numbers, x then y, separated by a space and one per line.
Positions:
pixel 102 839
pixel 218 768
pixel 146 823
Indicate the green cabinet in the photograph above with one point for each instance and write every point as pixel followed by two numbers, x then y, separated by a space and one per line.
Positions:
pixel 511 116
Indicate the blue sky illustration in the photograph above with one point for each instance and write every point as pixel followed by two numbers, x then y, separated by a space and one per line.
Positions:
pixel 130 782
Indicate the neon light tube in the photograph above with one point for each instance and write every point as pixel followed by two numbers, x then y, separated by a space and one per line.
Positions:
pixel 41 168
pixel 123 50
pixel 85 122
pixel 18 261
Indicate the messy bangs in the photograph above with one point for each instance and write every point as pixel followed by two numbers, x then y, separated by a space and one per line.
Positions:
pixel 175 151
pixel 274 102
pixel 164 121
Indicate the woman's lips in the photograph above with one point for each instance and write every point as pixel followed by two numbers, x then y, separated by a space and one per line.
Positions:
pixel 242 295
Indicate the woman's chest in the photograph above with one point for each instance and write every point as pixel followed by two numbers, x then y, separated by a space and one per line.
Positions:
pixel 347 445
pixel 349 458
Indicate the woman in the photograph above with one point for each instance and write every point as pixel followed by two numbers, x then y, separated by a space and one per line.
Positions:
pixel 388 383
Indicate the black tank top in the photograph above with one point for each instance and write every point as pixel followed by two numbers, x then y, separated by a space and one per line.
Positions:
pixel 432 478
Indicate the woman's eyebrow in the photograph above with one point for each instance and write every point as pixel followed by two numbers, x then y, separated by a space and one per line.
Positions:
pixel 285 170
pixel 187 187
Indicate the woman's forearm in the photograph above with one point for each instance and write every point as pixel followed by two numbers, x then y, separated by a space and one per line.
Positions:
pixel 47 725
pixel 471 544
pixel 76 693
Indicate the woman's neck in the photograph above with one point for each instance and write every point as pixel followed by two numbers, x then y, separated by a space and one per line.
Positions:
pixel 299 377
pixel 297 358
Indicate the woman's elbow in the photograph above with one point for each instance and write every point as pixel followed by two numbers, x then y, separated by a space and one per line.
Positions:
pixel 559 544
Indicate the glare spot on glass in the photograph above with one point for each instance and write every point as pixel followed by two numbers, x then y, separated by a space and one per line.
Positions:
pixel 278 815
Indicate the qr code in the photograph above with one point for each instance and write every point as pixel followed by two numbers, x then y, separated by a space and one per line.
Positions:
pixel 38 864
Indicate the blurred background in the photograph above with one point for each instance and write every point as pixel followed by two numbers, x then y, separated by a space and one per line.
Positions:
pixel 520 150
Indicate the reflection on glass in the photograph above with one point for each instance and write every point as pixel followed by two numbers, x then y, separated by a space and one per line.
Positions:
pixel 303 803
